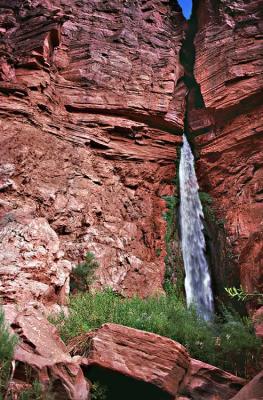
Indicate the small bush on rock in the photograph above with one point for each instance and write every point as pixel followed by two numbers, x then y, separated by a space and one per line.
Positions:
pixel 83 275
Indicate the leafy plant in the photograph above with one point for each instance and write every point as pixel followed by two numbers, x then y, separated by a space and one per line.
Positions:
pixel 83 275
pixel 241 295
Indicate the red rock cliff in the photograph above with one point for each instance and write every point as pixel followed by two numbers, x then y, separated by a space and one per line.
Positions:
pixel 92 107
pixel 92 103
pixel 228 70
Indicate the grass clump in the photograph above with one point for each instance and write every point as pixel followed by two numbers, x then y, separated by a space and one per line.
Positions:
pixel 7 346
pixel 228 342
pixel 83 275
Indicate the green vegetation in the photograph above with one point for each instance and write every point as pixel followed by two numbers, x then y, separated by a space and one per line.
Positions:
pixel 98 391
pixel 33 393
pixel 228 342
pixel 7 345
pixel 241 295
pixel 83 275
pixel 174 267
pixel 207 201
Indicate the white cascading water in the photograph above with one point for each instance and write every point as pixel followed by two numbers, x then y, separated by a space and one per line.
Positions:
pixel 197 277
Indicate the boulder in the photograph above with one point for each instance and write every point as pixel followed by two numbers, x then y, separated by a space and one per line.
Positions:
pixel 252 391
pixel 155 363
pixel 206 382
pixel 40 355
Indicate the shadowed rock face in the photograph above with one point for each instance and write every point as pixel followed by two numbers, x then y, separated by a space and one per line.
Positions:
pixel 91 101
pixel 228 69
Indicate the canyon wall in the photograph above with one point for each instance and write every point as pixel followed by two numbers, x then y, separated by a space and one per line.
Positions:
pixel 228 71
pixel 92 107
pixel 91 110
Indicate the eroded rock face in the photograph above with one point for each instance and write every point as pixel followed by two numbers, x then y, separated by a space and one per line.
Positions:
pixel 91 101
pixel 206 382
pixel 159 362
pixel 228 68
pixel 32 266
pixel 40 355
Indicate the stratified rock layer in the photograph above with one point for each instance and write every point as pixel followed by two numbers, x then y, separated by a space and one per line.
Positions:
pixel 91 97
pixel 228 69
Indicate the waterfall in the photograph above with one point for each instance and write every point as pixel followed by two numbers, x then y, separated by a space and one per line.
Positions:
pixel 197 278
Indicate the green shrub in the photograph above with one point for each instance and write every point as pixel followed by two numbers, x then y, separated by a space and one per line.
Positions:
pixel 83 275
pixel 174 267
pixel 7 346
pixel 33 393
pixel 228 342
pixel 98 391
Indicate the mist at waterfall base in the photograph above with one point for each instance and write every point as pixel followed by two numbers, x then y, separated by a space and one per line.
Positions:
pixel 197 277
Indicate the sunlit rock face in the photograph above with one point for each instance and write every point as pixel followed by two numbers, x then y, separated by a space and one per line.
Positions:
pixel 228 69
pixel 92 104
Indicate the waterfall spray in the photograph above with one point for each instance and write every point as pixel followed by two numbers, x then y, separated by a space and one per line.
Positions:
pixel 197 278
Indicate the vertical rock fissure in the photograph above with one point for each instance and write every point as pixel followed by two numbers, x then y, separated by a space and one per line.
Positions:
pixel 197 278
pixel 198 286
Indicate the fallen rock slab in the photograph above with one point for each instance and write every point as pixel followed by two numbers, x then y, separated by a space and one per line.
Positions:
pixel 253 390
pixel 206 382
pixel 158 362
pixel 42 356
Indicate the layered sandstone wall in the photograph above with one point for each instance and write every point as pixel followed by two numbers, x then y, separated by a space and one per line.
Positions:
pixel 228 70
pixel 92 104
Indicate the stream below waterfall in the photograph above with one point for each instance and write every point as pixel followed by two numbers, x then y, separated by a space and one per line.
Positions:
pixel 197 278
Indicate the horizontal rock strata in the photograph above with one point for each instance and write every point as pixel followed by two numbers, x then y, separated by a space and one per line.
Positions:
pixel 92 105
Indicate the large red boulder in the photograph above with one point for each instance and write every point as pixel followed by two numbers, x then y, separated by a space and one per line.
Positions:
pixel 41 356
pixel 156 361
